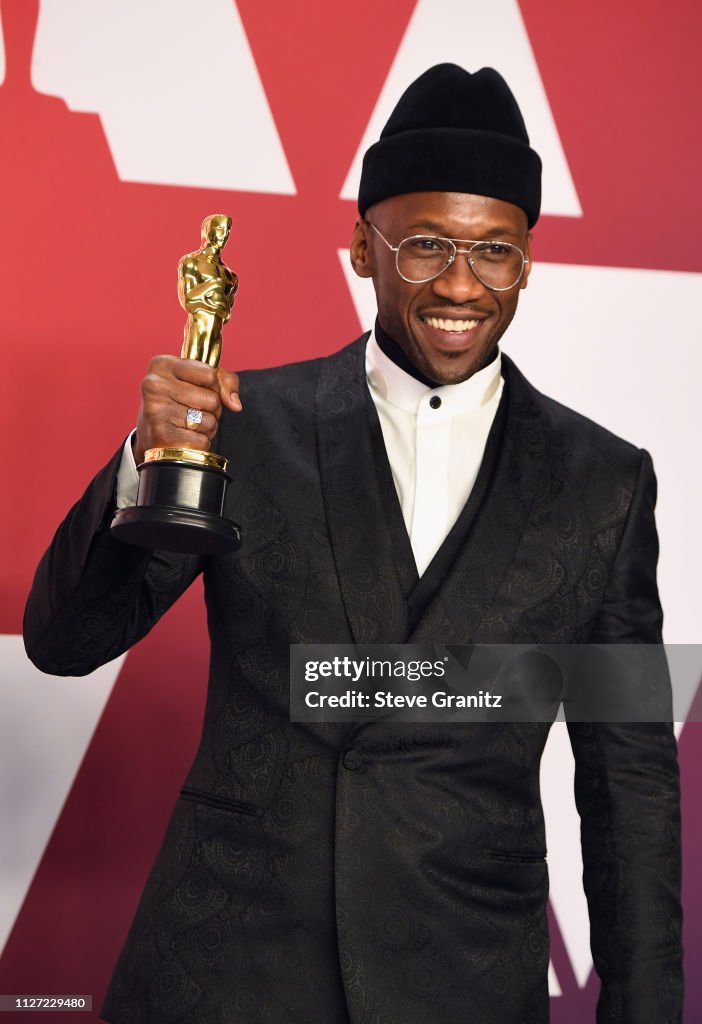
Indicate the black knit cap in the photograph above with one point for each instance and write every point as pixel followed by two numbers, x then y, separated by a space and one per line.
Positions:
pixel 453 131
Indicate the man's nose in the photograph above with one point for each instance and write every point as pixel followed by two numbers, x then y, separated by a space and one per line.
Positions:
pixel 458 282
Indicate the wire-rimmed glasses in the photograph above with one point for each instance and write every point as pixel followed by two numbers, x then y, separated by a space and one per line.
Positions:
pixel 420 258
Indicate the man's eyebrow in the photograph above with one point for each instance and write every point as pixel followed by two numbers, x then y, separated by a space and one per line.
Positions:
pixel 425 226
pixel 422 226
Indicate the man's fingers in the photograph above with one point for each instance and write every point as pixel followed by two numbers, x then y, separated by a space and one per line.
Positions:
pixel 171 388
pixel 159 388
pixel 229 389
pixel 192 371
pixel 189 371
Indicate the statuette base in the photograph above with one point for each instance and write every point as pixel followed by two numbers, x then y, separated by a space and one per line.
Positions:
pixel 180 505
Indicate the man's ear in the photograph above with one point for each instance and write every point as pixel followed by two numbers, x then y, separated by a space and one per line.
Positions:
pixel 360 251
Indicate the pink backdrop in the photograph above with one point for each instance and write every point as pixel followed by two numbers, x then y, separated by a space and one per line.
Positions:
pixel 90 241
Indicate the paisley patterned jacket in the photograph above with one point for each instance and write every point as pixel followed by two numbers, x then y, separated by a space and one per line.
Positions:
pixel 378 873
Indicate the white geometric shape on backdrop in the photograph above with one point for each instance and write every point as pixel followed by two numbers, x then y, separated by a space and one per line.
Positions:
pixel 2 52
pixel 475 34
pixel 45 728
pixel 176 87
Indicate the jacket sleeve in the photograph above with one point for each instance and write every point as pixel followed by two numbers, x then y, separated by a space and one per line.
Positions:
pixel 627 794
pixel 94 596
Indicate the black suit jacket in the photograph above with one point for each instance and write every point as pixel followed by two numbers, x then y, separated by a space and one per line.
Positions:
pixel 380 873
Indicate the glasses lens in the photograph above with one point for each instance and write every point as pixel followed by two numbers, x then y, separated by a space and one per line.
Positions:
pixel 422 257
pixel 497 264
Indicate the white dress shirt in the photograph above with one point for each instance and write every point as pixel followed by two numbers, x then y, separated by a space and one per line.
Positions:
pixel 435 439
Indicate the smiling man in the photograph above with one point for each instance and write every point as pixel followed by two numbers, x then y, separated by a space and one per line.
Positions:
pixel 412 488
pixel 447 293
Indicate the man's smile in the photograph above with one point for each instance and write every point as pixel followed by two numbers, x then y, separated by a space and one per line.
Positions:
pixel 452 331
pixel 453 326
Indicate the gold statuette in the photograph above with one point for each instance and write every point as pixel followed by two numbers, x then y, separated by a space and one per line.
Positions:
pixel 180 502
pixel 206 289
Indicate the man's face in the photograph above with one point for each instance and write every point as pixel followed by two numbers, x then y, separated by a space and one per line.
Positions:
pixel 473 318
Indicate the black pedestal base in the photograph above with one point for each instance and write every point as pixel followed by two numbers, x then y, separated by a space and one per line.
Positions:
pixel 179 508
pixel 176 529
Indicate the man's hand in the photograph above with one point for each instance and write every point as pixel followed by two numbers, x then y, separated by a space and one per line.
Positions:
pixel 171 387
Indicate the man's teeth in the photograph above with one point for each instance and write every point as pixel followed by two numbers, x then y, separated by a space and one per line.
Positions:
pixel 455 326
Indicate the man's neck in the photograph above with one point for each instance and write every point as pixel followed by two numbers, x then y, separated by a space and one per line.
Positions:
pixel 393 351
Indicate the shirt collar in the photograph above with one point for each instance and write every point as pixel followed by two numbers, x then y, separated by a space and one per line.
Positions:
pixel 390 382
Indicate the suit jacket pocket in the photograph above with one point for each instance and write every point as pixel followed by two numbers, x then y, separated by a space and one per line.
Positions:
pixel 221 803
pixel 516 856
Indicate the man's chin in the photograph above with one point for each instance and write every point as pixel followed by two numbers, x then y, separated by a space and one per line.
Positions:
pixel 456 366
pixel 452 363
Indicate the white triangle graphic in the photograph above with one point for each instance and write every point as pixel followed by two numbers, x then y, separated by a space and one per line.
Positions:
pixel 176 87
pixel 2 52
pixel 45 728
pixel 565 862
pixel 475 34
pixel 554 989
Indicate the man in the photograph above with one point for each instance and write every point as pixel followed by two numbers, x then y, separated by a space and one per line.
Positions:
pixel 411 488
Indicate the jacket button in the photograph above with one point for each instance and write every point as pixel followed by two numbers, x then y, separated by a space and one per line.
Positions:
pixel 353 760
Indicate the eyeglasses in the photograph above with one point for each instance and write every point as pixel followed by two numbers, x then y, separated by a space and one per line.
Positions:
pixel 420 258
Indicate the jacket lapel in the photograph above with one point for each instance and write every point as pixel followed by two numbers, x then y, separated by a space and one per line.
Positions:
pixel 492 523
pixel 374 562
pixel 373 557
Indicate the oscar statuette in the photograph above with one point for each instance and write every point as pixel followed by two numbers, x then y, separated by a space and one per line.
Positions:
pixel 180 501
